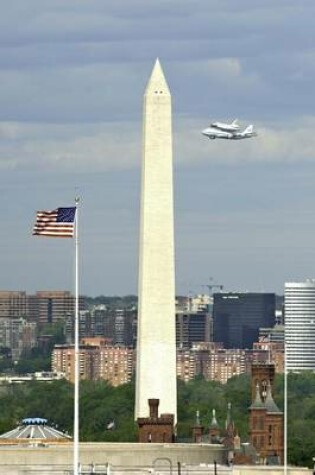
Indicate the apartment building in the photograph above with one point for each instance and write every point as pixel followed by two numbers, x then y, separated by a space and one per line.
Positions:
pixel 99 359
pixel 18 335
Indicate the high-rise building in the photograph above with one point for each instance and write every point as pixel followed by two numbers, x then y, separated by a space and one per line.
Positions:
pixel 48 306
pixel 115 324
pixel 156 345
pixel 274 334
pixel 13 304
pixel 215 363
pixel 62 361
pixel 237 317
pixel 299 304
pixel 185 364
pixel 116 364
pixel 123 326
pixel 43 307
pixel 193 327
pixel 199 303
pixel 102 322
pixel 18 335
pixel 98 359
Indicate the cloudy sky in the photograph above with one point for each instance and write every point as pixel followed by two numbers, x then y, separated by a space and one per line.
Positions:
pixel 72 76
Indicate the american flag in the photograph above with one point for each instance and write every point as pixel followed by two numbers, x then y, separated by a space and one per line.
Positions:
pixel 56 223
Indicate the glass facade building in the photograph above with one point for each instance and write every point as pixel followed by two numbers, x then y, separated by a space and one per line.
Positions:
pixel 237 317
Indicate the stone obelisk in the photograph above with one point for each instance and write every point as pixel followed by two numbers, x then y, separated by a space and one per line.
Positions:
pixel 156 347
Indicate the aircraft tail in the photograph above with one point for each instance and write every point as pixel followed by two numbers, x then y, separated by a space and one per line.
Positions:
pixel 235 122
pixel 249 129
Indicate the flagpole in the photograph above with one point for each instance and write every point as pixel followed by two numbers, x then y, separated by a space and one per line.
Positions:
pixel 64 222
pixel 285 394
pixel 76 469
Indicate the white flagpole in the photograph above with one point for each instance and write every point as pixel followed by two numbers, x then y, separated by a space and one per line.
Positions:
pixel 285 395
pixel 76 349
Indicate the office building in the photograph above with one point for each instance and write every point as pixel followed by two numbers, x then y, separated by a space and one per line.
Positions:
pixel 13 304
pixel 299 303
pixel 116 324
pixel 102 322
pixel 237 317
pixel 48 306
pixel 123 326
pixel 193 327
pixel 274 334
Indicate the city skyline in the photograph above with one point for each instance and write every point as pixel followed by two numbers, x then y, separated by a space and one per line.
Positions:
pixel 70 123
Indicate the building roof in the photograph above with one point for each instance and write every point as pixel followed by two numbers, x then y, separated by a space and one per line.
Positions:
pixel 270 404
pixel 214 423
pixel 257 403
pixel 34 428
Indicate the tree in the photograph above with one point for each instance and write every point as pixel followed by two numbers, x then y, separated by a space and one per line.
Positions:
pixel 101 403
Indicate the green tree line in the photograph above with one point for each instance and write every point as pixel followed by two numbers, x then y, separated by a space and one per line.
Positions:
pixel 101 403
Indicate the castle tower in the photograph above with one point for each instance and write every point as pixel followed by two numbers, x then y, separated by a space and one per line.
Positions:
pixel 266 431
pixel 156 348
pixel 257 423
pixel 262 374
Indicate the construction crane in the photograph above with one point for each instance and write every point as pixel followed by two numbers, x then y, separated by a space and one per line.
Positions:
pixel 212 285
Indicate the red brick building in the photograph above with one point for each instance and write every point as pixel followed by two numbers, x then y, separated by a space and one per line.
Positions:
pixel 266 431
pixel 155 428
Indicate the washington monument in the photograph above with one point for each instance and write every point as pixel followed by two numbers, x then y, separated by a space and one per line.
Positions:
pixel 156 348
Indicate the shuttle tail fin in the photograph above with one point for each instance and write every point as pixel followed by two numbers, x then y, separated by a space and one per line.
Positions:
pixel 249 129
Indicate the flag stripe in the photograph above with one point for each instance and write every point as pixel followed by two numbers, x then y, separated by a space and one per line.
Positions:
pixel 56 223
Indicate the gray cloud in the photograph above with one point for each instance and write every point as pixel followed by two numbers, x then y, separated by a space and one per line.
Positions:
pixel 72 78
pixel 66 61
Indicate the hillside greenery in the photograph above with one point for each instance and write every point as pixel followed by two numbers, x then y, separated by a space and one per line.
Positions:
pixel 100 403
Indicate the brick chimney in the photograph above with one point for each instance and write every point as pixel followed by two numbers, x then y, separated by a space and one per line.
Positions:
pixel 154 408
